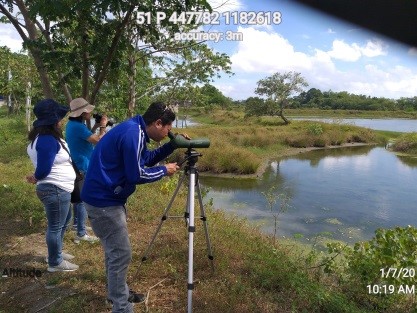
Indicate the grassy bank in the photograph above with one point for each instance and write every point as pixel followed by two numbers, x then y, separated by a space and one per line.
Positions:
pixel 351 113
pixel 241 145
pixel 251 274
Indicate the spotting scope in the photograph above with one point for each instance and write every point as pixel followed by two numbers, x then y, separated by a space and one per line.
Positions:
pixel 178 141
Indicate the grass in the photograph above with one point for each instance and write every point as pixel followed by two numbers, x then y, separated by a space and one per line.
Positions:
pixel 241 145
pixel 351 113
pixel 251 274
pixel 406 143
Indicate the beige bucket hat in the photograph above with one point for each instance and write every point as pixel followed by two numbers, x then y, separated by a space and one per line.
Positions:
pixel 79 106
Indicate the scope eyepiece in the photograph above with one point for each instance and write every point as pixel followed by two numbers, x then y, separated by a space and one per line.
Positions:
pixel 179 141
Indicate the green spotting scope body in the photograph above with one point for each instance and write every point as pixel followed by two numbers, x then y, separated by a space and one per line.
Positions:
pixel 178 141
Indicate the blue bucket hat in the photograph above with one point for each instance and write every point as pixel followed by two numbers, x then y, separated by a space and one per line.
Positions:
pixel 49 112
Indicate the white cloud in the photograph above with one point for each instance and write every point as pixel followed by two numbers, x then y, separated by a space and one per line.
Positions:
pixel 345 52
pixel 330 31
pixel 374 48
pixel 353 52
pixel 10 38
pixel 262 51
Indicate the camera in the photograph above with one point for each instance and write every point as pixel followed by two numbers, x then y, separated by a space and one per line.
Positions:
pixel 179 141
pixel 98 118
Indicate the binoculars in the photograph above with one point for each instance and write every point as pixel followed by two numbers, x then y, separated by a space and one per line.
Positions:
pixel 98 118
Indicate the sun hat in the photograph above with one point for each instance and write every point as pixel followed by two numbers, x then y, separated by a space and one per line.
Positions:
pixel 79 106
pixel 49 112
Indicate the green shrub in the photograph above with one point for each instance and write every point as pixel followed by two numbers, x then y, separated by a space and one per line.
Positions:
pixel 315 129
pixel 406 143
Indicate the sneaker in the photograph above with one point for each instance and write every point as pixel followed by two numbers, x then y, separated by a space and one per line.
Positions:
pixel 64 266
pixel 65 256
pixel 133 298
pixel 86 237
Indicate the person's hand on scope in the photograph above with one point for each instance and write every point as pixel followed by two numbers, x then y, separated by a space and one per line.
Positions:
pixel 171 168
pixel 184 135
pixel 171 135
pixel 104 120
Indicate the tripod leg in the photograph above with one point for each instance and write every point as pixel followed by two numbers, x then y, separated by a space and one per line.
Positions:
pixel 204 219
pixel 163 218
pixel 187 210
pixel 191 230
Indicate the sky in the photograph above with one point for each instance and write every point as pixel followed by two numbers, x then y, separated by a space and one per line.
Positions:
pixel 328 53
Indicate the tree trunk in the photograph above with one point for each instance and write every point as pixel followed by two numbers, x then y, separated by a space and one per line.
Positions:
pixel 286 121
pixel 101 75
pixel 132 85
pixel 36 54
pixel 281 111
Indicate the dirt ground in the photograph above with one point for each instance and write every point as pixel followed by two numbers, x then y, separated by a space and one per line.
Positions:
pixel 24 252
pixel 29 287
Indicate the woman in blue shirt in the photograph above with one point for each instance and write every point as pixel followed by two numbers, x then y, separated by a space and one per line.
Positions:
pixel 81 141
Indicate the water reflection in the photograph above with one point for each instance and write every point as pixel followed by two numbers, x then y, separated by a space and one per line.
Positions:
pixel 347 192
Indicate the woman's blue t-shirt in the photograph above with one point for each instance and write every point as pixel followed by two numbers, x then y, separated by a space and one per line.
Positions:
pixel 76 134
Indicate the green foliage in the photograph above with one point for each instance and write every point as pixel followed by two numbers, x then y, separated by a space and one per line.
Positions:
pixel 406 143
pixel 272 196
pixel 99 50
pixel 330 100
pixel 255 106
pixel 279 87
pixel 215 97
pixel 315 129
pixel 17 73
pixel 390 258
pixel 390 248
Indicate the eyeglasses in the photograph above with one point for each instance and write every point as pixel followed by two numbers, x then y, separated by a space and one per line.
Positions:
pixel 167 108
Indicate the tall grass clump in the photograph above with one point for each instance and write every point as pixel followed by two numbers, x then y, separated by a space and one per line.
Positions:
pixel 225 158
pixel 406 143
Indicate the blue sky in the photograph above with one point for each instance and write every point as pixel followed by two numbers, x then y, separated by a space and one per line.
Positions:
pixel 329 54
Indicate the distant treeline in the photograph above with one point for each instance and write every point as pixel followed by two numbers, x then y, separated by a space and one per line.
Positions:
pixel 330 100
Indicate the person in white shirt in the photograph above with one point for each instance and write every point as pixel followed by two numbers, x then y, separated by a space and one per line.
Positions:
pixel 54 178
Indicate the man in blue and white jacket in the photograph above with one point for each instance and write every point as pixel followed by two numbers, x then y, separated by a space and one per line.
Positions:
pixel 119 162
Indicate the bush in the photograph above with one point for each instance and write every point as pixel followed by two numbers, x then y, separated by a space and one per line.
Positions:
pixel 406 143
pixel 388 259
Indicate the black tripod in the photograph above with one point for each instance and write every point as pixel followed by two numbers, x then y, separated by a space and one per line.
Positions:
pixel 190 171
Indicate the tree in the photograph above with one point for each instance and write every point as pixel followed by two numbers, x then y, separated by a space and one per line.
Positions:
pixel 17 73
pixel 215 96
pixel 278 88
pixel 255 106
pixel 78 45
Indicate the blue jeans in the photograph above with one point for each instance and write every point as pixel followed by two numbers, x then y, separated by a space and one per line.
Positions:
pixel 109 224
pixel 57 207
pixel 80 216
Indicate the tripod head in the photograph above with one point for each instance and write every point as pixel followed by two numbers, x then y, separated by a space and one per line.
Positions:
pixel 191 157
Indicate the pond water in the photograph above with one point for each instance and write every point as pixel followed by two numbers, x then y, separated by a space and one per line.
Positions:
pixel 399 125
pixel 343 193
